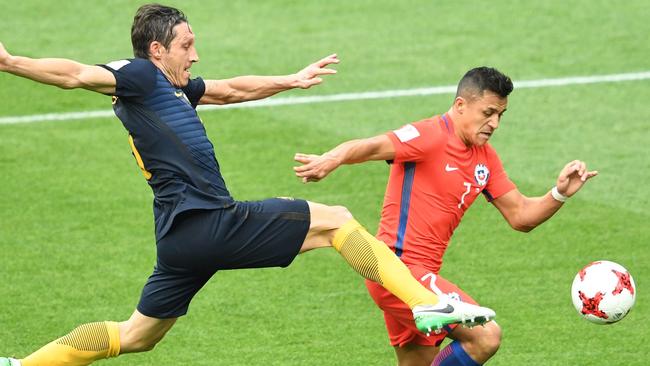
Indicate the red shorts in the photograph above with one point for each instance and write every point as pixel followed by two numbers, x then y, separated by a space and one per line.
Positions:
pixel 398 316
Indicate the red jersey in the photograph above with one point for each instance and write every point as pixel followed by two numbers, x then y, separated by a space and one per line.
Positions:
pixel 433 180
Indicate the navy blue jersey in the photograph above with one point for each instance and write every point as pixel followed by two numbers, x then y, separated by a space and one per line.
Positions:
pixel 168 140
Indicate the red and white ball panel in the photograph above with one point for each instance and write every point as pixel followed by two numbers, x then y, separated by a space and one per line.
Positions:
pixel 603 292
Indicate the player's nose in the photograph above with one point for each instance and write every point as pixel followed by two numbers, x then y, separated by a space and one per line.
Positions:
pixel 494 122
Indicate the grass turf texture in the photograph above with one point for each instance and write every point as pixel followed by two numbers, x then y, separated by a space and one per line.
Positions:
pixel 76 231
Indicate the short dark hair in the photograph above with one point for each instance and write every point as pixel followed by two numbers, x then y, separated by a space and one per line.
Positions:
pixel 478 80
pixel 154 22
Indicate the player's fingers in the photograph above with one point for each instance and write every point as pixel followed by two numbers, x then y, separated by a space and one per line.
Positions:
pixel 303 158
pixel 314 81
pixel 582 168
pixel 576 166
pixel 303 169
pixel 306 165
pixel 306 155
pixel 568 167
pixel 324 72
pixel 310 179
pixel 331 59
pixel 305 176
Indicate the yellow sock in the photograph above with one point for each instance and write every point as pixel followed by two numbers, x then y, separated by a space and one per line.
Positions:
pixel 85 344
pixel 373 260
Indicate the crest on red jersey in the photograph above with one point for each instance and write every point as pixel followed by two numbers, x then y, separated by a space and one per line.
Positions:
pixel 481 174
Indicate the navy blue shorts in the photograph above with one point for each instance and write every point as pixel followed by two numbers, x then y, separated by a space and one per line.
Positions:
pixel 254 234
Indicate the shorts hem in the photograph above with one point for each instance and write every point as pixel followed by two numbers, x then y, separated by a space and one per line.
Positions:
pixel 166 315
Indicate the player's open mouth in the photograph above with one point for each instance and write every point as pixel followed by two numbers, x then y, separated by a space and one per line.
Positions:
pixel 485 134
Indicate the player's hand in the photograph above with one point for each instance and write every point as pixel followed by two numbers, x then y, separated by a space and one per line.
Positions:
pixel 4 57
pixel 311 75
pixel 573 176
pixel 314 167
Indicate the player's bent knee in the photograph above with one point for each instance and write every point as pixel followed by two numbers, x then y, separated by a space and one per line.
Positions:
pixel 490 339
pixel 325 222
pixel 324 218
pixel 480 342
pixel 343 214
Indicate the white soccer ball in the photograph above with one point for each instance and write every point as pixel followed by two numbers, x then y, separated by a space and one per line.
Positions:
pixel 603 292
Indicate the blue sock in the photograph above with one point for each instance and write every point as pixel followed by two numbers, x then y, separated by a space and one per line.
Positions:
pixel 454 355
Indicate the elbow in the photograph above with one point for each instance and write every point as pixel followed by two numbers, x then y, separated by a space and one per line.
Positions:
pixel 522 227
pixel 67 86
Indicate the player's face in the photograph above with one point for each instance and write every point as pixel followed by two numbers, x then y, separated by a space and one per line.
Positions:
pixel 177 60
pixel 480 117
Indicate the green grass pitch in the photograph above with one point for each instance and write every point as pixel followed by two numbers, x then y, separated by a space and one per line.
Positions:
pixel 76 229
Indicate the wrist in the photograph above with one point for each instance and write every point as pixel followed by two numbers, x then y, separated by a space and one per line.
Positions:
pixel 6 62
pixel 333 157
pixel 558 196
pixel 292 81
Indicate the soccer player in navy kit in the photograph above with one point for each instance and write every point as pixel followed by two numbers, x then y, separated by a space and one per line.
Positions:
pixel 199 227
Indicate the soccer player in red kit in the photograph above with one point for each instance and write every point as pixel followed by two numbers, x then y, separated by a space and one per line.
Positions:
pixel 439 166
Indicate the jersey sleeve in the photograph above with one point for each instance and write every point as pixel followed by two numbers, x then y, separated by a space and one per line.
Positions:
pixel 194 90
pixel 415 141
pixel 499 183
pixel 134 77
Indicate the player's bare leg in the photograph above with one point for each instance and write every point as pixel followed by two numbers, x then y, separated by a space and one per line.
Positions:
pixel 335 226
pixel 141 333
pixel 95 341
pixel 471 346
pixel 475 345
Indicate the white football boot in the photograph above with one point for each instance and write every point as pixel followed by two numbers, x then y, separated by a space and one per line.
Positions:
pixel 432 318
pixel 4 361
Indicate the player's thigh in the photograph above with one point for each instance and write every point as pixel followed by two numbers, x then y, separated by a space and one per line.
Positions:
pixel 324 221
pixel 260 234
pixel 415 355
pixel 249 234
pixel 439 285
pixel 141 333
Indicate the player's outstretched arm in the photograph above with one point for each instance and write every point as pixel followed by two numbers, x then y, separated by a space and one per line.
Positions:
pixel 526 213
pixel 245 88
pixel 317 167
pixel 66 74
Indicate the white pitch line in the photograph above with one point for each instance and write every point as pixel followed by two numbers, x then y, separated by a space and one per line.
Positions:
pixel 450 89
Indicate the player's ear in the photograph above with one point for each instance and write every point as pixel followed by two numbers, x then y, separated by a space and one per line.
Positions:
pixel 156 49
pixel 460 104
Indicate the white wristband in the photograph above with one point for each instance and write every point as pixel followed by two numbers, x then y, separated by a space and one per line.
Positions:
pixel 557 195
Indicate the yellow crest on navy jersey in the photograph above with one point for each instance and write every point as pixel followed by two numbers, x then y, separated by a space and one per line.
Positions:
pixel 180 94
